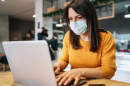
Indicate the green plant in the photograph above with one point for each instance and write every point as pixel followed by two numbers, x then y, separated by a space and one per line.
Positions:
pixel 60 11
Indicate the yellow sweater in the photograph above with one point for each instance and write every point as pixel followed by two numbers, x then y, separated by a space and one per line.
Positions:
pixel 104 58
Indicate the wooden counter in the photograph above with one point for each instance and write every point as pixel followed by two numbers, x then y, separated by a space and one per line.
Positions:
pixel 6 79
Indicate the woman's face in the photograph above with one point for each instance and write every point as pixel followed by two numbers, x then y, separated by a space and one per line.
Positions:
pixel 73 16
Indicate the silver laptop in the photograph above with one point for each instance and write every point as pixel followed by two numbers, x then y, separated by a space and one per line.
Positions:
pixel 30 62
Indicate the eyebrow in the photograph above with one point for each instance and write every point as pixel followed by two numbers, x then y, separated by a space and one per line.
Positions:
pixel 76 16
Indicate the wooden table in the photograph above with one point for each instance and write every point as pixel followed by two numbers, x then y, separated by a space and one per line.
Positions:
pixel 6 79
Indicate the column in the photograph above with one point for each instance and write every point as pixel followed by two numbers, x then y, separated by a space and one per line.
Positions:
pixel 40 21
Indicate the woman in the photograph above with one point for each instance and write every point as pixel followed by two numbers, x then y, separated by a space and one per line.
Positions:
pixel 89 50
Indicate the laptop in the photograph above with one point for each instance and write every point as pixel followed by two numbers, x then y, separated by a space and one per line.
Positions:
pixel 30 63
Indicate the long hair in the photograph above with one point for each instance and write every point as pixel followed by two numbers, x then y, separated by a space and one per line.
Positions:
pixel 87 10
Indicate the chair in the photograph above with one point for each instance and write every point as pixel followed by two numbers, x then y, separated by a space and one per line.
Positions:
pixel 4 64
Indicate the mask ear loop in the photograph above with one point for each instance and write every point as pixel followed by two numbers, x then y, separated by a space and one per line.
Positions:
pixel 86 22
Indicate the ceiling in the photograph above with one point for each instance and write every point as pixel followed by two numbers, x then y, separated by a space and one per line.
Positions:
pixel 119 6
pixel 20 9
pixel 24 9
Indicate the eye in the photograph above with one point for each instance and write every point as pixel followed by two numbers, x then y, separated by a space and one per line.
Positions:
pixel 80 17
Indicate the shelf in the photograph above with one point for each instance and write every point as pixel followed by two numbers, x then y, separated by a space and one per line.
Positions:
pixel 123 65
pixel 59 42
pixel 60 39
pixel 57 31
pixel 122 54
pixel 123 61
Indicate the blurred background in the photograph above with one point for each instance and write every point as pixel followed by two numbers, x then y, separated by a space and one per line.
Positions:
pixel 22 20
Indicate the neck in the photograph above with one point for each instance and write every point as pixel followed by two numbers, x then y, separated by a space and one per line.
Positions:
pixel 84 36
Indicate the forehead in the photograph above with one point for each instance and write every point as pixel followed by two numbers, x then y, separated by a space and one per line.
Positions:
pixel 72 13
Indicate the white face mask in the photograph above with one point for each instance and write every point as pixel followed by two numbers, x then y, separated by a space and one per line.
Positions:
pixel 78 27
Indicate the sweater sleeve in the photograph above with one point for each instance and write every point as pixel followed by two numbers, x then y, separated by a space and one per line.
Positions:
pixel 108 65
pixel 65 56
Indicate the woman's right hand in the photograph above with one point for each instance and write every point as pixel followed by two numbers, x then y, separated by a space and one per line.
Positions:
pixel 56 68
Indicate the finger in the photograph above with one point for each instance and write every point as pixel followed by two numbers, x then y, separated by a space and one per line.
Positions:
pixel 59 78
pixel 57 70
pixel 76 81
pixel 68 80
pixel 63 80
pixel 54 67
pixel 61 75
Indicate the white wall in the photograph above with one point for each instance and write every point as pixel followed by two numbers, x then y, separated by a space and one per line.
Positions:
pixel 4 30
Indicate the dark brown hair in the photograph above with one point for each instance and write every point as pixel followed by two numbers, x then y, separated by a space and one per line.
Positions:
pixel 87 10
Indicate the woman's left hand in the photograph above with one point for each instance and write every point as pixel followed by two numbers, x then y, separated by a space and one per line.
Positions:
pixel 67 77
